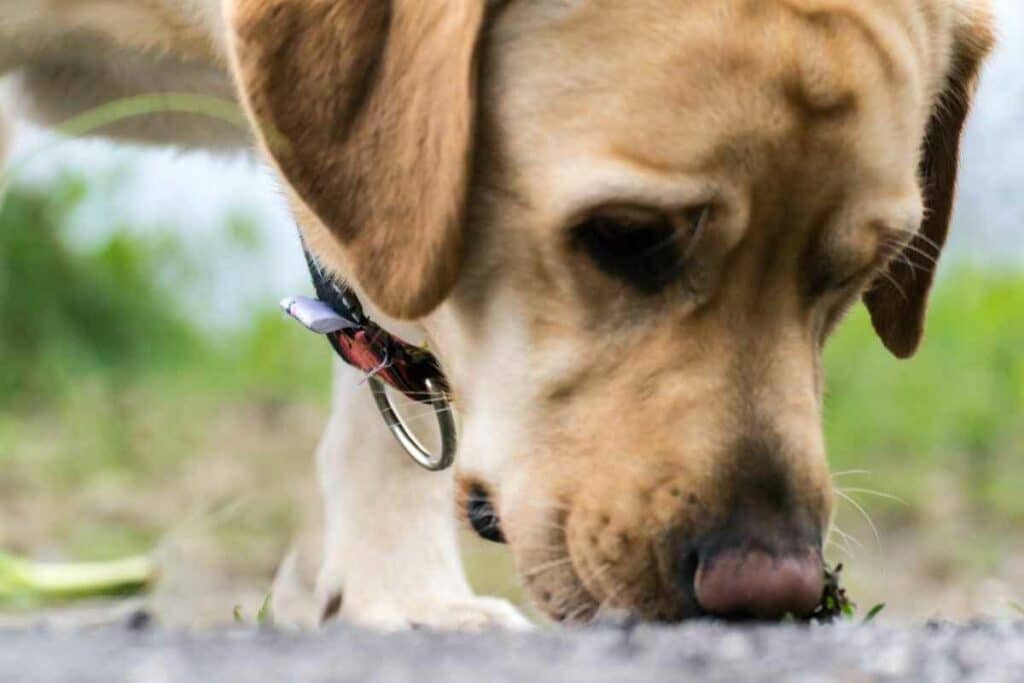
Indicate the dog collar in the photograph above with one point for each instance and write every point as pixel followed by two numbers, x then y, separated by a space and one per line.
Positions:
pixel 385 359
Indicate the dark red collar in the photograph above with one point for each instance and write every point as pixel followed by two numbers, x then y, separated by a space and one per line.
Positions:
pixel 362 343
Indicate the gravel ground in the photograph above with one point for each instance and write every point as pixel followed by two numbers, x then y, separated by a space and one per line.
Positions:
pixel 134 651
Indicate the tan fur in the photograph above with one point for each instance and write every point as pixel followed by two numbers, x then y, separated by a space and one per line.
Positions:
pixel 374 109
pixel 441 157
pixel 649 421
pixel 69 56
pixel 165 26
pixel 898 303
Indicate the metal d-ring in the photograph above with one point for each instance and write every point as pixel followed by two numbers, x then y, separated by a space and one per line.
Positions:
pixel 445 422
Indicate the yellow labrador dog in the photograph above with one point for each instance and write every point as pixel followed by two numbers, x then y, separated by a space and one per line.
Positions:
pixel 627 229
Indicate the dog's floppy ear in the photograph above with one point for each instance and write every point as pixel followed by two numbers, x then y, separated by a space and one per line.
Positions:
pixel 367 107
pixel 898 303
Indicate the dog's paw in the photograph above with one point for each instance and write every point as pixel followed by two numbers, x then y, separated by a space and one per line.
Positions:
pixel 472 614
pixel 463 614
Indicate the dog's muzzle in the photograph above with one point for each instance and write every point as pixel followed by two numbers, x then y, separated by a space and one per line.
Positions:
pixel 385 359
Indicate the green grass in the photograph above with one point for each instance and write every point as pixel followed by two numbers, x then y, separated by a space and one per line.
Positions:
pixel 26 584
pixel 956 408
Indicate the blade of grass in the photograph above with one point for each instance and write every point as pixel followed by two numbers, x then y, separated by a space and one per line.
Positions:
pixel 873 612
pixel 263 615
pixel 142 105
pixel 27 583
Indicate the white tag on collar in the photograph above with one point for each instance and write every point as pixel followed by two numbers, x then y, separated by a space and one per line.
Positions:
pixel 315 315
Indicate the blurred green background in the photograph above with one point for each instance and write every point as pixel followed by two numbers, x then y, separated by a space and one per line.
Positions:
pixel 127 426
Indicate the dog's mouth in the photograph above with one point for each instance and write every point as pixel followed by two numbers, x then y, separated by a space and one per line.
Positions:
pixel 551 579
pixel 581 578
pixel 569 581
pixel 569 587
pixel 545 566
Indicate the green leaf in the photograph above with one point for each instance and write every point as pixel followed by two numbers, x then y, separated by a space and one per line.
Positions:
pixel 24 583
pixel 237 613
pixel 873 612
pixel 263 616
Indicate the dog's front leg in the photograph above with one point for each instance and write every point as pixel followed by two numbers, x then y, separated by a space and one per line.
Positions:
pixel 391 556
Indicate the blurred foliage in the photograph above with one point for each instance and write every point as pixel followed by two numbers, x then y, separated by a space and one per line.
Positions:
pixel 957 407
pixel 99 312
pixel 64 313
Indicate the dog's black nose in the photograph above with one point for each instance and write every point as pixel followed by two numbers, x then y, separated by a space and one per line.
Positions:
pixel 482 516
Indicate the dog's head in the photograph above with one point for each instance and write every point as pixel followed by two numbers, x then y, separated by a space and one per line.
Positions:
pixel 629 228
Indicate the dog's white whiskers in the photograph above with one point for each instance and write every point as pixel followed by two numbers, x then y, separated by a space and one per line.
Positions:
pixel 847 473
pixel 849 499
pixel 841 547
pixel 578 612
pixel 558 545
pixel 909 254
pixel 909 245
pixel 565 597
pixel 555 528
pixel 572 616
pixel 879 494
pixel 544 504
pixel 581 609
pixel 845 536
pixel 914 269
pixel 918 235
pixel 932 259
pixel 546 567
pixel 895 284
pixel 904 258
pixel 553 549
pixel 842 540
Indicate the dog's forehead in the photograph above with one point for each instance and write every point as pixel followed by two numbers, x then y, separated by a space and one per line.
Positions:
pixel 678 87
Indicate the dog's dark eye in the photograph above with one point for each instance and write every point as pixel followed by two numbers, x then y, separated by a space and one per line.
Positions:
pixel 482 516
pixel 646 249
